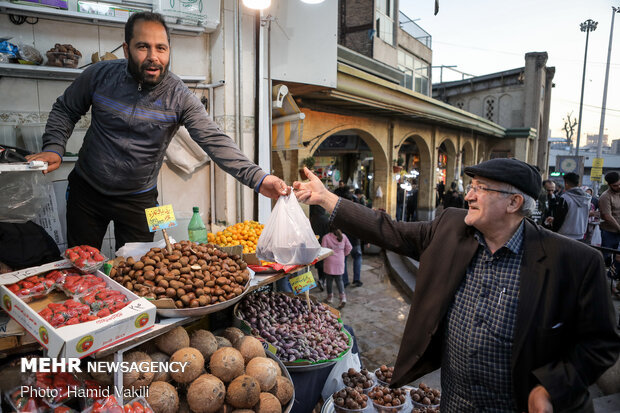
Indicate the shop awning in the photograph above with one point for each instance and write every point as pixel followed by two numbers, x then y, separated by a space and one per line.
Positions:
pixel 287 121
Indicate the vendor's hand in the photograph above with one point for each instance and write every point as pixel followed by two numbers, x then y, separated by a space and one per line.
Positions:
pixel 314 192
pixel 539 401
pixel 52 158
pixel 273 187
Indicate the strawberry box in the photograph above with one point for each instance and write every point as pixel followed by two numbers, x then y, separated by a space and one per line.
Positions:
pixel 84 337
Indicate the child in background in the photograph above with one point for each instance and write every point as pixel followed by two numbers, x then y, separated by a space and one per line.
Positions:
pixel 333 266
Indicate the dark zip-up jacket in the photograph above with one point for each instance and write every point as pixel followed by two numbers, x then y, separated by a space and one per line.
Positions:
pixel 131 127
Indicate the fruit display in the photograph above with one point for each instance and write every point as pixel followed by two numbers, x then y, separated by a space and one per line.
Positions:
pixel 245 233
pixel 193 275
pixel 348 399
pixel 94 304
pixel 58 384
pixel 385 399
pixel 85 258
pixel 76 284
pixel 298 333
pixel 223 381
pixel 110 405
pixel 384 374
pixel 425 396
pixel 23 403
pixel 361 381
pixel 63 55
pixel 33 287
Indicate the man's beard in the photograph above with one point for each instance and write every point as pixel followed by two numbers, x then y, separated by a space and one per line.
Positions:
pixel 140 74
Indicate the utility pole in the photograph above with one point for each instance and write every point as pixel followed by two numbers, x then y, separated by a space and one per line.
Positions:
pixel 587 26
pixel 601 129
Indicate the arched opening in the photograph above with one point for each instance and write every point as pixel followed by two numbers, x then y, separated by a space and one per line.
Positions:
pixel 446 168
pixel 467 159
pixel 355 158
pixel 414 184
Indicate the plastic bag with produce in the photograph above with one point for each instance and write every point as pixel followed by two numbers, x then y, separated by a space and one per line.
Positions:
pixel 288 237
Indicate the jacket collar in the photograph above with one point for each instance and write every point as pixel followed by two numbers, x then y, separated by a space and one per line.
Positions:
pixel 532 279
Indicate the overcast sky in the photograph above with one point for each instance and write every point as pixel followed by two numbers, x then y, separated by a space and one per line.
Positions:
pixel 484 36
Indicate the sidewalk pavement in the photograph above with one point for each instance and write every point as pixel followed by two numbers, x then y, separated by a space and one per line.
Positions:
pixel 377 311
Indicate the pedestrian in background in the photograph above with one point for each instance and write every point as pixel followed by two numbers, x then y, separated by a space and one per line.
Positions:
pixel 577 212
pixel 356 252
pixel 319 221
pixel 609 207
pixel 553 207
pixel 453 198
pixel 334 264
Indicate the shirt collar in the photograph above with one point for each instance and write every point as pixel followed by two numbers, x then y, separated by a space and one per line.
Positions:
pixel 514 244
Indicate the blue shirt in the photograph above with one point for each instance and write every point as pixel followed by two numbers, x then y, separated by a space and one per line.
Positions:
pixel 475 370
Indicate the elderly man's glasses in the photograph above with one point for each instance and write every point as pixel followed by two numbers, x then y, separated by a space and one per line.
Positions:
pixel 478 188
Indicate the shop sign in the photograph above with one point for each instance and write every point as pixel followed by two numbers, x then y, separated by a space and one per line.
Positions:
pixel 160 217
pixel 302 283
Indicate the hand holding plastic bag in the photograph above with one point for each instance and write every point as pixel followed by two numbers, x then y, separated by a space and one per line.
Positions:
pixel 288 237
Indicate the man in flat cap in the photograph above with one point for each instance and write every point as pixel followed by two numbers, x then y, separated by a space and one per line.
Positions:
pixel 518 318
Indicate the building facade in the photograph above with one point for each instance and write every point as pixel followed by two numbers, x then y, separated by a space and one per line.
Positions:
pixel 517 99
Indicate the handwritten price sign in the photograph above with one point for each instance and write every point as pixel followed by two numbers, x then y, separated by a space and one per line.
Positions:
pixel 302 283
pixel 160 217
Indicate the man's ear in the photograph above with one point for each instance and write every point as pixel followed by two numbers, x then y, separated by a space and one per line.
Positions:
pixel 515 204
pixel 126 50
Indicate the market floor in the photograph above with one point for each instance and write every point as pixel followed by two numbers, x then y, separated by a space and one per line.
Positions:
pixel 377 311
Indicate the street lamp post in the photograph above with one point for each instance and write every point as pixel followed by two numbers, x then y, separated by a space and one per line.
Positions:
pixel 587 26
pixel 599 147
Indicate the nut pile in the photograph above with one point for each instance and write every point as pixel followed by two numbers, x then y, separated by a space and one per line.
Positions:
pixel 194 275
pixel 63 55
pixel 384 396
pixel 425 395
pixel 349 398
pixel 384 374
pixel 359 380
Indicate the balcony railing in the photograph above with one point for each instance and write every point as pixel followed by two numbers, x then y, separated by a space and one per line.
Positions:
pixel 414 30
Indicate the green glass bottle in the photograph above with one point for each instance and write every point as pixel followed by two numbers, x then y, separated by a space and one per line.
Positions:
pixel 196 228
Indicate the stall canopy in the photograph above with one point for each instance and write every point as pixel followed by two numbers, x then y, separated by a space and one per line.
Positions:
pixel 287 121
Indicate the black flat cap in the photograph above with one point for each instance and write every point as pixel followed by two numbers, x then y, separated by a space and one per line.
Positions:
pixel 511 171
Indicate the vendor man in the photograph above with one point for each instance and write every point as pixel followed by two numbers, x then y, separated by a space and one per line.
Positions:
pixel 518 318
pixel 137 107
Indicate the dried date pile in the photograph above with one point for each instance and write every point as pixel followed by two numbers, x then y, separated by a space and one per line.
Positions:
pixel 384 374
pixel 425 395
pixel 193 275
pixel 63 55
pixel 384 396
pixel 359 380
pixel 349 398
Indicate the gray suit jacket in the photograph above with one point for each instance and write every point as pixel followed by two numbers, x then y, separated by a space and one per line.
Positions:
pixel 565 336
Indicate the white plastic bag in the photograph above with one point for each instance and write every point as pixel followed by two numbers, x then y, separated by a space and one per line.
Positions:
pixel 333 383
pixel 138 249
pixel 288 237
pixel 596 236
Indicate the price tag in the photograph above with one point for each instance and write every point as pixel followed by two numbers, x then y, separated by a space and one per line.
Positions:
pixel 302 283
pixel 160 217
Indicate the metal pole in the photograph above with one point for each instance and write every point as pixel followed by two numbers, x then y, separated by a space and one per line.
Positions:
pixel 587 26
pixel 599 147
